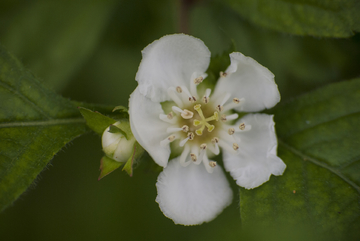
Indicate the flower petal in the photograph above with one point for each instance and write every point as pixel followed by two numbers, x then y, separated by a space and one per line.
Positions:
pixel 248 79
pixel 170 62
pixel 256 159
pixel 190 195
pixel 147 128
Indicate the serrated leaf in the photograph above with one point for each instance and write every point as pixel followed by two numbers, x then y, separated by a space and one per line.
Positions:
pixel 35 123
pixel 303 17
pixel 108 165
pixel 319 139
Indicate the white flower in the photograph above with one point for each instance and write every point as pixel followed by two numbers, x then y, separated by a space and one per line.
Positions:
pixel 193 189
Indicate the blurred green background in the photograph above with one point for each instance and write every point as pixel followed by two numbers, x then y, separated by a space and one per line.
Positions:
pixel 90 51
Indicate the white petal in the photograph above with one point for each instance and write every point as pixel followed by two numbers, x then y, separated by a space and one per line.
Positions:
pixel 170 62
pixel 190 195
pixel 256 159
pixel 249 80
pixel 147 128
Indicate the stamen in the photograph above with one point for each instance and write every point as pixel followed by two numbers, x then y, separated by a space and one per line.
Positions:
pixel 235 146
pixel 190 136
pixel 195 154
pixel 223 74
pixel 207 165
pixel 192 99
pixel 226 146
pixel 193 157
pixel 165 118
pixel 229 117
pixel 231 131
pixel 212 164
pixel 234 104
pixel 173 95
pixel 202 152
pixel 215 149
pixel 186 114
pixel 219 108
pixel 203 146
pixel 206 97
pixel 178 89
pixel 198 80
pixel 184 155
pixel 215 140
pixel 167 140
pixel 170 115
pixel 226 97
pixel 185 128
pixel 242 126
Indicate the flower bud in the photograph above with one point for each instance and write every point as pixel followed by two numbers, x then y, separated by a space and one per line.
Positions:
pixel 116 146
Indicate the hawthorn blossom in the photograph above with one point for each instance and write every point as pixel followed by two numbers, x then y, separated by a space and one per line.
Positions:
pixel 169 111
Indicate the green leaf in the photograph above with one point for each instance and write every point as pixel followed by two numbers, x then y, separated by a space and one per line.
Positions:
pixel 129 165
pixel 96 121
pixel 339 18
pixel 108 165
pixel 35 124
pixel 55 38
pixel 319 139
pixel 99 122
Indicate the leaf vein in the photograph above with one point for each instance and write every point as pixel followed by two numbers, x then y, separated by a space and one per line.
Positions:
pixel 319 163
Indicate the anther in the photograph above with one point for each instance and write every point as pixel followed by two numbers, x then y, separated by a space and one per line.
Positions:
pixel 192 99
pixel 215 140
pixel 185 128
pixel 186 114
pixel 223 74
pixel 219 108
pixel 178 89
pixel 193 157
pixel 205 99
pixel 235 146
pixel 167 140
pixel 203 146
pixel 212 163
pixel 242 126
pixel 190 135
pixel 170 115
pixel 223 118
pixel 198 80
pixel 231 131
pixel 236 100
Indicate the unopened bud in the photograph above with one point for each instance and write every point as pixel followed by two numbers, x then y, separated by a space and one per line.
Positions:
pixel 116 146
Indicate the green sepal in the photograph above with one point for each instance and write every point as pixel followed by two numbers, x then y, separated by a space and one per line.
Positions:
pixel 115 129
pixel 99 122
pixel 129 165
pixel 119 108
pixel 95 120
pixel 108 165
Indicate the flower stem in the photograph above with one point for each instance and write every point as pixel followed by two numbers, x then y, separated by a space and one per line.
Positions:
pixel 185 7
